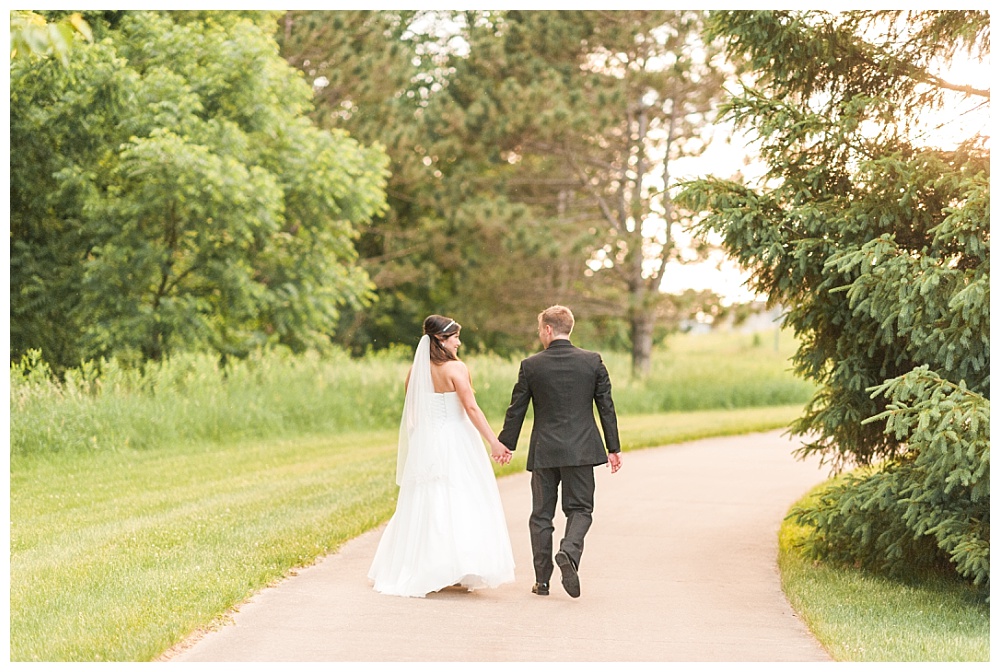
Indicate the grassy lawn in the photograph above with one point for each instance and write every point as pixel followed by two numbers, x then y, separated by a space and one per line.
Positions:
pixel 144 506
pixel 120 555
pixel 862 617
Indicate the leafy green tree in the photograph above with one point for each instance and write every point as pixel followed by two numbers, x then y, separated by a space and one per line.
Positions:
pixel 32 36
pixel 361 67
pixel 168 192
pixel 514 138
pixel 450 240
pixel 593 109
pixel 877 241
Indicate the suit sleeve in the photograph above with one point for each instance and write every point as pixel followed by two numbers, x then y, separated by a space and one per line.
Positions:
pixel 514 418
pixel 606 409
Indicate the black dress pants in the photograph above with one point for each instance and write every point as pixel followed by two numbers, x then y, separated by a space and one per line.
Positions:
pixel 577 505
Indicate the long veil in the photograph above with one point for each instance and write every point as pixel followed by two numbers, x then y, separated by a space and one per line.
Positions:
pixel 417 404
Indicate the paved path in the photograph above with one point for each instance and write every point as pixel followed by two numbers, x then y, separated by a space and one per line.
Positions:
pixel 680 565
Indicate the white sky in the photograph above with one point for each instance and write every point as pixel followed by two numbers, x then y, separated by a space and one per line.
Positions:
pixel 718 273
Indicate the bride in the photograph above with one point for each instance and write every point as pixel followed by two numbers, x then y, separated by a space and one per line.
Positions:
pixel 449 527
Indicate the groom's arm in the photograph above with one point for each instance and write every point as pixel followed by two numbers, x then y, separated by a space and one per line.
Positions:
pixel 518 408
pixel 606 409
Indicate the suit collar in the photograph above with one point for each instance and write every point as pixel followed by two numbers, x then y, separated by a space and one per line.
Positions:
pixel 560 343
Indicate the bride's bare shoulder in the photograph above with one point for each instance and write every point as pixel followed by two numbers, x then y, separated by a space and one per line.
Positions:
pixel 455 365
pixel 455 370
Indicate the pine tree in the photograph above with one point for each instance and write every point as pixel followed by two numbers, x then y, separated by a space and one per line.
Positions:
pixel 594 108
pixel 877 242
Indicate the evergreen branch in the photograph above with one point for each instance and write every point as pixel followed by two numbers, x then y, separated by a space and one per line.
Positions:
pixel 558 150
pixel 391 256
pixel 605 208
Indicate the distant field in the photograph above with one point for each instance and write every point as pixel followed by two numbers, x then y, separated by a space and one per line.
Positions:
pixel 189 400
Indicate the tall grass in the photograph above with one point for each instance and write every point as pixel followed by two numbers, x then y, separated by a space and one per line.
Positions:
pixel 192 399
pixel 708 371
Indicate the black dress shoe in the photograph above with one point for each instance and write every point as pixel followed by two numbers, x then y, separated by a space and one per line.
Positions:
pixel 570 579
pixel 540 589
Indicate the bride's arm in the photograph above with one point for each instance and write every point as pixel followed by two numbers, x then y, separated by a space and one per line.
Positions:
pixel 458 373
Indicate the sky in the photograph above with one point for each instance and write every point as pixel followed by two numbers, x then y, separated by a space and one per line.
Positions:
pixel 718 273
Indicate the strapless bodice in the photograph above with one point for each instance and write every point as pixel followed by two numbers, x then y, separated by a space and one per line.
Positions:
pixel 445 407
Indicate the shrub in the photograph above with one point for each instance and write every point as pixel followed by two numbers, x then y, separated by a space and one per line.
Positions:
pixel 927 509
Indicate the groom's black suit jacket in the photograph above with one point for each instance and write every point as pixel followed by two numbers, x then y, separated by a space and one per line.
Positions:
pixel 563 383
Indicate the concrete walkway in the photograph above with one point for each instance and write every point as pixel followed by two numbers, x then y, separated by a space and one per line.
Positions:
pixel 680 565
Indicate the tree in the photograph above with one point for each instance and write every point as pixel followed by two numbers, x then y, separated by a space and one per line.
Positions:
pixel 593 109
pixel 31 35
pixel 515 136
pixel 363 67
pixel 169 193
pixel 877 242
pixel 384 77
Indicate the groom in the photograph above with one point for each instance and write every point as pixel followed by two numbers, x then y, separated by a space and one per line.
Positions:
pixel 563 383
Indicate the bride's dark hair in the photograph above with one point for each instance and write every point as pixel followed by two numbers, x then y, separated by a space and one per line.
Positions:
pixel 439 327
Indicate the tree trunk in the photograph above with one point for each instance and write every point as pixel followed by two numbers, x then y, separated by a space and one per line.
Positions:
pixel 643 320
pixel 641 315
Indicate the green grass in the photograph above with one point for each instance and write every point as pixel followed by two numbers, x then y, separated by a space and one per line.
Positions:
pixel 144 505
pixel 643 431
pixel 862 617
pixel 116 556
pixel 709 371
pixel 120 555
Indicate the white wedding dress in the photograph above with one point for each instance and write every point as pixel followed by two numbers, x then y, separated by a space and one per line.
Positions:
pixel 449 527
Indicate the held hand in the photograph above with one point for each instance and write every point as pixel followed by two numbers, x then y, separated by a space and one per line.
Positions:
pixel 502 457
pixel 500 453
pixel 615 461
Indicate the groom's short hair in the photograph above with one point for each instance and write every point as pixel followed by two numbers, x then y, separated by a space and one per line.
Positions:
pixel 560 318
